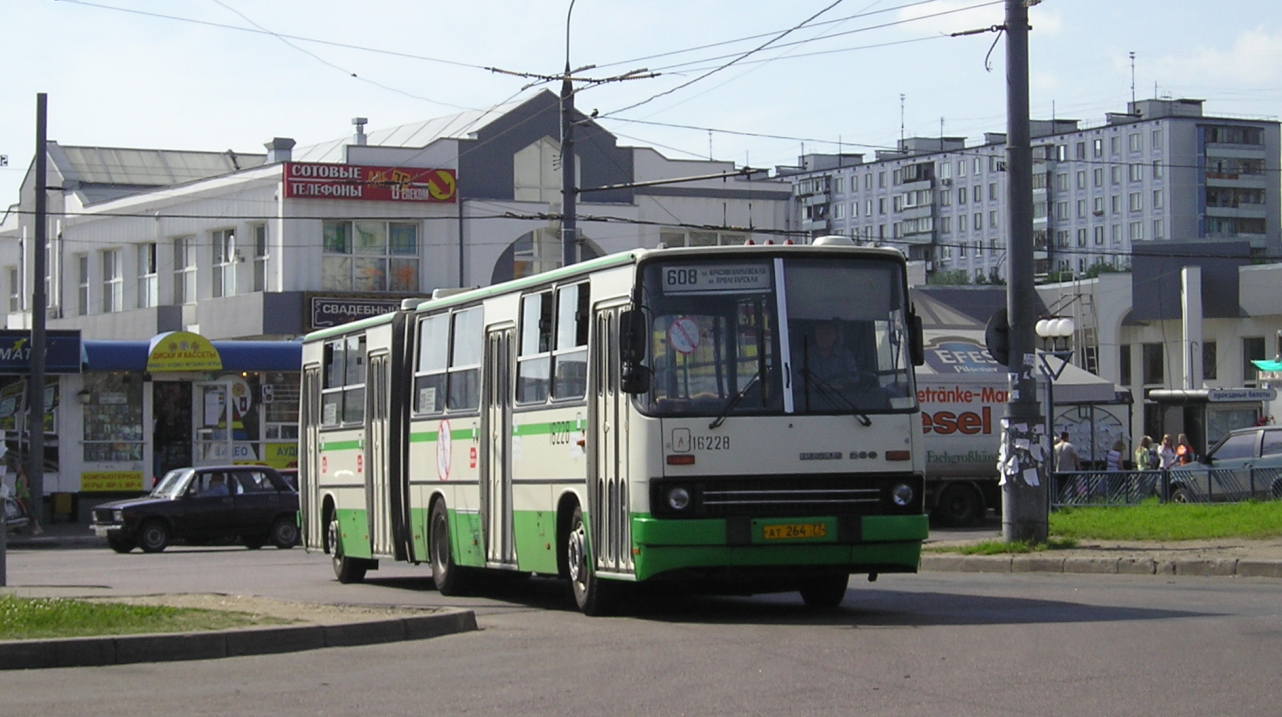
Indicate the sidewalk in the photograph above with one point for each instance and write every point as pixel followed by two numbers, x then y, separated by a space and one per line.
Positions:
pixel 57 535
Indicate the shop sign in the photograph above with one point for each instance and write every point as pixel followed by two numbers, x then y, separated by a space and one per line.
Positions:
pixel 281 455
pixel 1224 395
pixel 62 351
pixel 183 351
pixel 330 312
pixel 959 356
pixel 310 180
pixel 110 481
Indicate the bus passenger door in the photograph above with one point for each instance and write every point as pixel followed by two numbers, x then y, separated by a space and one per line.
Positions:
pixel 496 439
pixel 609 506
pixel 308 449
pixel 377 466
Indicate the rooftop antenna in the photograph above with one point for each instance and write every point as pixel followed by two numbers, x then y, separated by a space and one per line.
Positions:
pixel 901 120
pixel 709 145
pixel 1132 54
pixel 941 134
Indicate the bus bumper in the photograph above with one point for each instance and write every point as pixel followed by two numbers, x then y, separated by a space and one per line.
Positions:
pixel 859 544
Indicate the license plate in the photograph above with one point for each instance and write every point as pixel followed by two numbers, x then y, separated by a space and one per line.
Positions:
pixel 103 530
pixel 792 531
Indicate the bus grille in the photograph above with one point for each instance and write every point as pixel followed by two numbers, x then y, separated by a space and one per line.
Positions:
pixel 784 496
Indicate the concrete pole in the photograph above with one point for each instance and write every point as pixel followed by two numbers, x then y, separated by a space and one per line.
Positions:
pixel 1025 447
pixel 1191 311
pixel 569 240
pixel 39 314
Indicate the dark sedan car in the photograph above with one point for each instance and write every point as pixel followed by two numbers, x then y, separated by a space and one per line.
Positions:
pixel 252 503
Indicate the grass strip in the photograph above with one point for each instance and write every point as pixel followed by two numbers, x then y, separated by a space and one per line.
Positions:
pixel 43 618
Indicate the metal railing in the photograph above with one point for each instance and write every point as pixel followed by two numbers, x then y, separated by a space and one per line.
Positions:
pixel 1175 485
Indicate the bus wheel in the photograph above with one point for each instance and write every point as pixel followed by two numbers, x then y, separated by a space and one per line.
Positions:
pixel 824 593
pixel 347 570
pixel 593 596
pixel 450 579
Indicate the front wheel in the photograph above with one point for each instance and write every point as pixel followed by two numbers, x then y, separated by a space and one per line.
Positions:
pixel 450 579
pixel 119 543
pixel 153 537
pixel 1182 495
pixel 284 533
pixel 347 570
pixel 824 593
pixel 592 595
pixel 959 505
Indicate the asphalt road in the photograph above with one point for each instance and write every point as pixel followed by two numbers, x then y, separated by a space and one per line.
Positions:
pixel 929 644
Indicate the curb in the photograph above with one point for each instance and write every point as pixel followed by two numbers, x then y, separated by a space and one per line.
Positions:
pixel 1130 565
pixel 167 647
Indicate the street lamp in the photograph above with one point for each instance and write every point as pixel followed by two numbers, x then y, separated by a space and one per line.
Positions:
pixel 1056 333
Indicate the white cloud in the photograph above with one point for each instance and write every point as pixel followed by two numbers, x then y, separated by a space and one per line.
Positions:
pixel 1256 56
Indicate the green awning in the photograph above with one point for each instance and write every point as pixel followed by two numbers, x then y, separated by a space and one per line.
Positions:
pixel 1268 365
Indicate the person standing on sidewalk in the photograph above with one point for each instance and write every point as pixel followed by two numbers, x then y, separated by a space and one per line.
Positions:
pixel 1066 461
pixel 1184 452
pixel 1166 453
pixel 22 491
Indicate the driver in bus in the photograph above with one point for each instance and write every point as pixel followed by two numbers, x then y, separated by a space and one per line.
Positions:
pixel 830 359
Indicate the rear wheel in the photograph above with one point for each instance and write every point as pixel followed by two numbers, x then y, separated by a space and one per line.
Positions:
pixel 119 543
pixel 153 537
pixel 450 579
pixel 1181 495
pixel 592 595
pixel 347 570
pixel 824 593
pixel 283 533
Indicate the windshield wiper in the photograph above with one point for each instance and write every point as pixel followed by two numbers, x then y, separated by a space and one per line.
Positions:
pixel 829 391
pixel 734 401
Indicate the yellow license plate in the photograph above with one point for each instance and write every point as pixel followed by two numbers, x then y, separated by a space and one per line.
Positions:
pixel 792 531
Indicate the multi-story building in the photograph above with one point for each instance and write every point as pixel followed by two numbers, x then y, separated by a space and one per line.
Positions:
pixel 1161 172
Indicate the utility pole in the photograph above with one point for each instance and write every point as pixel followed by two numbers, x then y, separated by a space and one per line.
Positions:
pixel 569 222
pixel 39 313
pixel 1025 446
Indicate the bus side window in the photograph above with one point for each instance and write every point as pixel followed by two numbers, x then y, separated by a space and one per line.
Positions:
pixel 465 361
pixel 534 359
pixel 570 357
pixel 433 358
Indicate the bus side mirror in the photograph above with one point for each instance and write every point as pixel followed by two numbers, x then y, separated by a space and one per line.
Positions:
pixel 634 379
pixel 631 336
pixel 916 339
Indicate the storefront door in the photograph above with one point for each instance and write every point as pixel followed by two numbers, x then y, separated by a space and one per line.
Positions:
pixel 171 408
pixel 212 422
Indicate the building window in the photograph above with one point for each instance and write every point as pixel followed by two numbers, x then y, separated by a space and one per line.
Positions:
pixel 945 225
pixel 1252 350
pixel 1159 229
pixel 979 221
pixel 1061 210
pixel 113 282
pixel 839 186
pixel 945 170
pixel 1099 147
pixel 15 290
pixel 148 286
pixel 1157 138
pixel 1061 182
pixel 1136 201
pixel 185 270
pixel 1081 209
pixel 223 248
pixel 1114 145
pixel 1136 231
pixel 881 205
pixel 1210 361
pixel 881 179
pixel 868 181
pixel 1081 236
pixel 1081 150
pixel 1137 172
pixel 1099 235
pixel 1157 169
pixel 979 166
pixel 1157 199
pixel 1116 201
pixel 1154 364
pixel 260 257
pixel 992 191
pixel 1117 234
pixel 1123 363
pixel 839 211
pixel 1134 141
pixel 1099 206
pixel 961 168
pixel 82 284
pixel 1099 176
pixel 992 219
pixel 370 256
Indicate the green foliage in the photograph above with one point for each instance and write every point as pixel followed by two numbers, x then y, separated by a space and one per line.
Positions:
pixel 35 618
pixel 956 277
pixel 1101 267
pixel 997 547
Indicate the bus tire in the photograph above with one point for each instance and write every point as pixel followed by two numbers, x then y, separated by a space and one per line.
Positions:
pixel 449 577
pixel 959 505
pixel 824 593
pixel 594 596
pixel 347 570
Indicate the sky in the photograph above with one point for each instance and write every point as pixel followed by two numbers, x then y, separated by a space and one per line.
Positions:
pixel 757 83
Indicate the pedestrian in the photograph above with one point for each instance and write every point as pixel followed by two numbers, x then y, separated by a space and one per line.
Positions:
pixel 1066 460
pixel 1113 461
pixel 1166 453
pixel 1184 453
pixel 22 492
pixel 1146 455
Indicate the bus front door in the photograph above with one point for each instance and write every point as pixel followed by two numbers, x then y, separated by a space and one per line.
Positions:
pixel 496 457
pixel 608 503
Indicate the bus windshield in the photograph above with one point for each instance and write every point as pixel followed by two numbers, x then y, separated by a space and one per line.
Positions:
pixel 777 336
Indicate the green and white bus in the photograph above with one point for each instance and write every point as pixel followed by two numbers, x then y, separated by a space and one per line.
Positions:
pixel 740 418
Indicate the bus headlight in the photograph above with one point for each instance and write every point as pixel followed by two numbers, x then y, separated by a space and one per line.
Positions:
pixel 678 499
pixel 902 494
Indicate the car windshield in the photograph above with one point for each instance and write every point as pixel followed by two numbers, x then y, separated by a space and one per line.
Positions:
pixel 173 484
pixel 794 335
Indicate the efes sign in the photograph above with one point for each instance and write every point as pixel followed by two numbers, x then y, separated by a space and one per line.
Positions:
pixel 310 180
pixel 62 352
pixel 956 355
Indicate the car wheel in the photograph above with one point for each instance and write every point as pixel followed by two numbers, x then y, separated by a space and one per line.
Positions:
pixel 592 595
pixel 1182 495
pixel 450 579
pixel 119 543
pixel 347 570
pixel 284 533
pixel 959 505
pixel 824 593
pixel 153 537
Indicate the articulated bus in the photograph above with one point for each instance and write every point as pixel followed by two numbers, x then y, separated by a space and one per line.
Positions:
pixel 733 418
